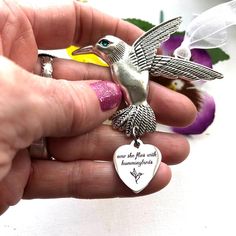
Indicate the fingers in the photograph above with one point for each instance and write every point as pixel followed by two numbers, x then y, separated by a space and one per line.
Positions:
pixel 171 108
pixel 103 142
pixel 85 179
pixel 58 25
pixel 72 70
pixel 49 107
pixel 12 186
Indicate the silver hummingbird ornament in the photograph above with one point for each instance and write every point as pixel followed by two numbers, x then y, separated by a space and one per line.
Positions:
pixel 130 68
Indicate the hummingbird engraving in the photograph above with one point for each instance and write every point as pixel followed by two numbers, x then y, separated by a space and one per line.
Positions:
pixel 131 66
pixel 136 175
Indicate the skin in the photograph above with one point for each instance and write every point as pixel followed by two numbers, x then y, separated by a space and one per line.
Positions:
pixel 64 108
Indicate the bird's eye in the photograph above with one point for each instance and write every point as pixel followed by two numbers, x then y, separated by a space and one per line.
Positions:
pixel 104 42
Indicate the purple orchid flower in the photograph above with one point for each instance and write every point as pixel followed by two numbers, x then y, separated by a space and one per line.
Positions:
pixel 204 102
pixel 204 118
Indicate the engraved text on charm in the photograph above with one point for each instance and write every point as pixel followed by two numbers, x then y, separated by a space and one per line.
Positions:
pixel 137 165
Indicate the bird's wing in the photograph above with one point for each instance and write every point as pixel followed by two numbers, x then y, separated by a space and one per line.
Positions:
pixel 174 68
pixel 144 48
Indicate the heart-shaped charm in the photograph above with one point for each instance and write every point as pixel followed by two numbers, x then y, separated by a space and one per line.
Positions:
pixel 136 165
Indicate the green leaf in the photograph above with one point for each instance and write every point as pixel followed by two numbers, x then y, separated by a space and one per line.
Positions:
pixel 217 55
pixel 144 25
pixel 179 33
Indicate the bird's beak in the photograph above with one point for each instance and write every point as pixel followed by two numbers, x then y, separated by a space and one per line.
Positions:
pixel 84 50
pixel 89 50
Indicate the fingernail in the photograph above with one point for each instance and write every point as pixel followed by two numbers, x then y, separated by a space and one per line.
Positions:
pixel 108 93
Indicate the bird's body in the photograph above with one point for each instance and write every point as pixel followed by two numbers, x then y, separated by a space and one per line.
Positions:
pixel 134 84
pixel 131 66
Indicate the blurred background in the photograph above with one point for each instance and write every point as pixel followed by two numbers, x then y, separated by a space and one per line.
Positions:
pixel 200 200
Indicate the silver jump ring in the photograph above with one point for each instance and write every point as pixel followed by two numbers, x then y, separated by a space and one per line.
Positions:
pixel 136 136
pixel 38 149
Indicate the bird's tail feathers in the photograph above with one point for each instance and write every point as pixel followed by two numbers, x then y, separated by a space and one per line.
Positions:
pixel 138 117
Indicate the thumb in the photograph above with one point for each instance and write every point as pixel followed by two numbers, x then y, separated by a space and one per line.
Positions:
pixel 32 106
pixel 66 108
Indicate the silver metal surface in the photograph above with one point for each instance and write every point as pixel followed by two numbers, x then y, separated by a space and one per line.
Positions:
pixel 174 68
pixel 131 65
pixel 46 61
pixel 137 166
pixel 140 116
pixel 38 149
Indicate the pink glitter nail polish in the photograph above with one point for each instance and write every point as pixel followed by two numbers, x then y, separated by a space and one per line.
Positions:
pixel 108 93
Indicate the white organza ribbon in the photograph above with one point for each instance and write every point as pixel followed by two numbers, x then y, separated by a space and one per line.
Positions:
pixel 208 30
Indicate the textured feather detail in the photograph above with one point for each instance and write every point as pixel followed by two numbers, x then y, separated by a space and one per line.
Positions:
pixel 138 117
pixel 117 52
pixel 144 48
pixel 174 68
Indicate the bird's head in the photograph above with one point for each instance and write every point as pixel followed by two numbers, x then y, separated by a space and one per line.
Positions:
pixel 109 48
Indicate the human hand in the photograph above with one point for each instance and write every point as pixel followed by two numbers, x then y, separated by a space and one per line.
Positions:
pixel 67 109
